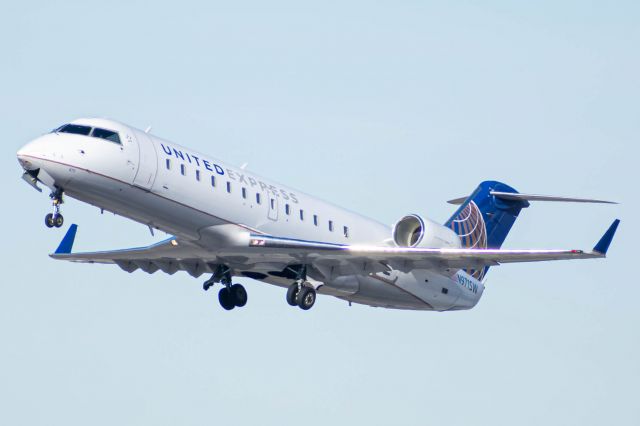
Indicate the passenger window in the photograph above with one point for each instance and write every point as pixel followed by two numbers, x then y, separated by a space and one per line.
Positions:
pixel 229 187
pixel 273 203
pixel 287 209
pixel 258 198
pixel 106 134
pixel 74 129
pixel 213 181
pixel 315 219
pixel 183 170
pixel 301 214
pixel 244 192
pixel 168 163
pixel 331 225
pixel 345 231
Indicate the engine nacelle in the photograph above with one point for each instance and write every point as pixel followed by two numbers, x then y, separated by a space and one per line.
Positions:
pixel 414 231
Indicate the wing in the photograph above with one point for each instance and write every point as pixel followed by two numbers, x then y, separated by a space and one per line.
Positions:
pixel 169 256
pixel 364 258
pixel 327 261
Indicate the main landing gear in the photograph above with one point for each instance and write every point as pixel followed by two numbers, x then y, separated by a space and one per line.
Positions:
pixel 55 218
pixel 231 295
pixel 300 293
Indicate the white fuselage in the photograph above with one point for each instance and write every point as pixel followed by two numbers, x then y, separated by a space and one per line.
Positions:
pixel 194 196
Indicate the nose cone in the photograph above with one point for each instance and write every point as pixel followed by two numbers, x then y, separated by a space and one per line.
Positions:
pixel 27 157
pixel 31 155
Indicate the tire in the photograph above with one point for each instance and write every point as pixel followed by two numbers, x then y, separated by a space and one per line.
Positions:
pixel 292 292
pixel 48 220
pixel 306 298
pixel 239 295
pixel 226 299
pixel 58 220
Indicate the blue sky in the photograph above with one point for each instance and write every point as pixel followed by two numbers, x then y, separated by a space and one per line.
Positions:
pixel 384 108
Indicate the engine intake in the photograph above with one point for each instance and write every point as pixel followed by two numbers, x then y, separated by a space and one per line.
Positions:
pixel 414 231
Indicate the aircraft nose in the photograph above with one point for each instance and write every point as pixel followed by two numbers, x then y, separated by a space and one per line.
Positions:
pixel 29 154
pixel 23 153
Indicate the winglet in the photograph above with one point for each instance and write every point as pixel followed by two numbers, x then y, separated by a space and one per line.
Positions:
pixel 605 241
pixel 67 242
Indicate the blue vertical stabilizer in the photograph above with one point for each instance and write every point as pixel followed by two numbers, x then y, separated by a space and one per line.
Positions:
pixel 484 220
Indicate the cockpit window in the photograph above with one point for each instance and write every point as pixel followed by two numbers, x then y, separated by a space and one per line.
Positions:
pixel 75 129
pixel 106 134
pixel 95 132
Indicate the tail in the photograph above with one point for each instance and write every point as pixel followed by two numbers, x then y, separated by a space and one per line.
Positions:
pixel 484 219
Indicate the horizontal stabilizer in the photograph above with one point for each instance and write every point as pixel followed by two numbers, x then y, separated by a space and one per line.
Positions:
pixel 457 201
pixel 533 197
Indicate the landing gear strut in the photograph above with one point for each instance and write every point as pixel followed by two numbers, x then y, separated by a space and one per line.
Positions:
pixel 300 293
pixel 55 218
pixel 231 295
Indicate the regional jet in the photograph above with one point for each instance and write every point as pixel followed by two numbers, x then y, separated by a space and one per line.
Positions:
pixel 226 222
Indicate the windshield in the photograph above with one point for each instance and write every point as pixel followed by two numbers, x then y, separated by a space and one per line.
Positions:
pixel 95 132
pixel 106 134
pixel 75 129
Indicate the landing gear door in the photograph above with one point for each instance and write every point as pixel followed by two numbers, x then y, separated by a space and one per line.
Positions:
pixel 147 162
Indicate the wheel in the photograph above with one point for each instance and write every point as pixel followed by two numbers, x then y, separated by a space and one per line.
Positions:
pixel 238 295
pixel 225 298
pixel 306 298
pixel 206 285
pixel 292 292
pixel 58 220
pixel 48 220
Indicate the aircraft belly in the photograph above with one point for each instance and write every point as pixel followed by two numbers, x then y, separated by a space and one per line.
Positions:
pixel 375 290
pixel 421 289
pixel 344 286
pixel 438 290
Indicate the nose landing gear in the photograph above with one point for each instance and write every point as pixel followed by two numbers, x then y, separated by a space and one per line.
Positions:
pixel 55 219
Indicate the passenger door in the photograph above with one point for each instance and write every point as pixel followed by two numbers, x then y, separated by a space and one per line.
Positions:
pixel 147 162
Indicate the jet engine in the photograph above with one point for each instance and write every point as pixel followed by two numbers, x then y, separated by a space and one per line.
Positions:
pixel 415 231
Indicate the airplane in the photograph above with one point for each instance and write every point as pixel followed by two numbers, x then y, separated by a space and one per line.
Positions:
pixel 227 222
